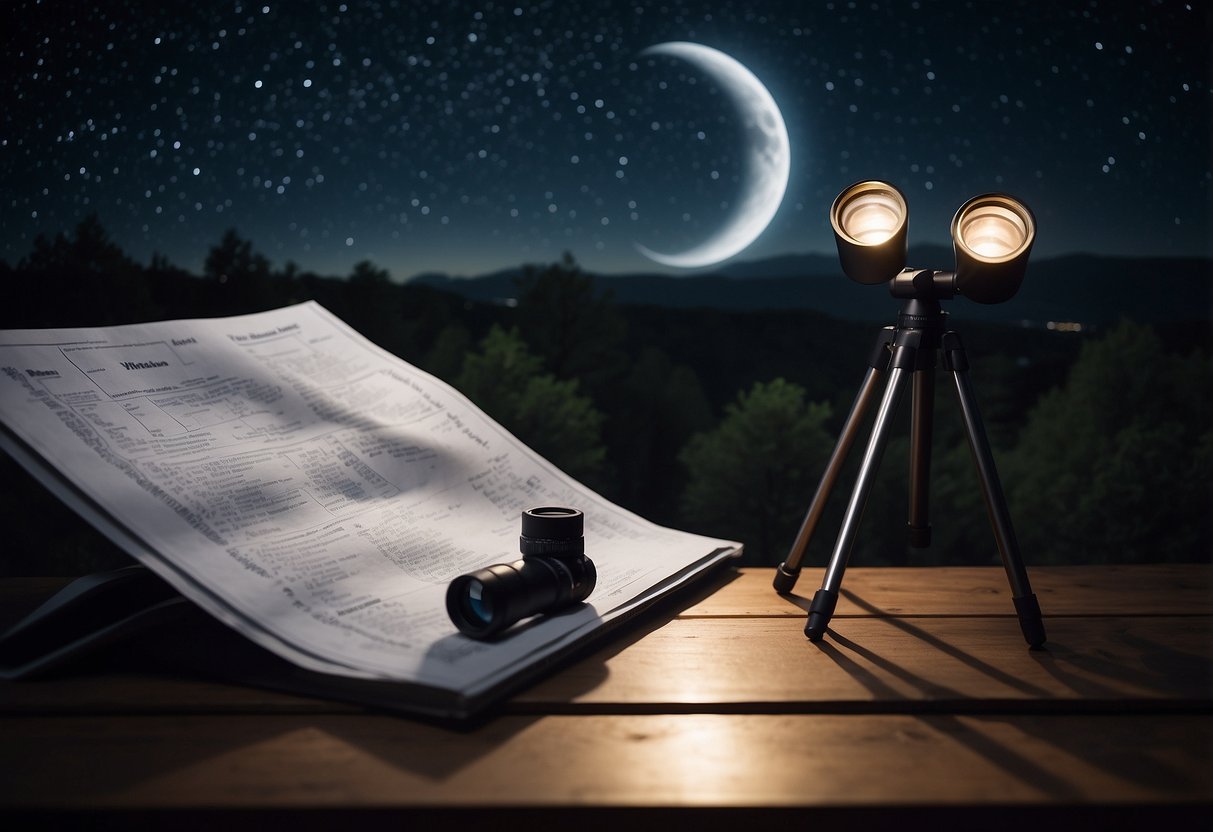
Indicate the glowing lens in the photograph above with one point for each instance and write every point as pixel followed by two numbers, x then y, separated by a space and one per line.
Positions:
pixel 994 229
pixel 872 215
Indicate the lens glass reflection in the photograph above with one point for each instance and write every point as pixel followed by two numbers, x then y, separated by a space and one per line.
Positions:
pixel 872 216
pixel 478 604
pixel 994 231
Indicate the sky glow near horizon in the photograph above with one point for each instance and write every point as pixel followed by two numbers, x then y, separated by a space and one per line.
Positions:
pixel 466 138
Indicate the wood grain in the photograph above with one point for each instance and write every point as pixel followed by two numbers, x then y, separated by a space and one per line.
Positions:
pixel 352 761
pixel 865 664
pixel 731 661
pixel 1174 589
pixel 923 705
pixel 1169 589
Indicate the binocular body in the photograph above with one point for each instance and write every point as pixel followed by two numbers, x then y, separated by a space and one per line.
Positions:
pixel 992 236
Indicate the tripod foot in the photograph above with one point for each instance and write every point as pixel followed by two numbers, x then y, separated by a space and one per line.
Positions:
pixel 785 578
pixel 1028 610
pixel 820 610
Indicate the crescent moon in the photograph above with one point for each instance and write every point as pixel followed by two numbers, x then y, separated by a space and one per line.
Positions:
pixel 768 156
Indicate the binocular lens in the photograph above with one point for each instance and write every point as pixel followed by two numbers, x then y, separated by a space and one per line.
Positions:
pixel 872 218
pixel 994 230
pixel 869 221
pixel 870 213
pixel 992 235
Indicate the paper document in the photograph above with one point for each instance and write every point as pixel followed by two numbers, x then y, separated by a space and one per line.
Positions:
pixel 311 490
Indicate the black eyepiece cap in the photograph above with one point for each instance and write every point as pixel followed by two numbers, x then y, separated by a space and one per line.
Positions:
pixel 553 522
pixel 554 531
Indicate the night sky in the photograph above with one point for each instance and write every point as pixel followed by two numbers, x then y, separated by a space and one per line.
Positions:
pixel 469 137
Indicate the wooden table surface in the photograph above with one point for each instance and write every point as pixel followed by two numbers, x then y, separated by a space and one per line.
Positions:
pixel 923 704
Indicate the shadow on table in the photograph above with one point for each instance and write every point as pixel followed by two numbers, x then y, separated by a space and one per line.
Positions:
pixel 170 674
pixel 561 693
pixel 1158 664
pixel 1042 714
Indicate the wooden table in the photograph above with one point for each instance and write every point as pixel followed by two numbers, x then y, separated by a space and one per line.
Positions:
pixel 922 705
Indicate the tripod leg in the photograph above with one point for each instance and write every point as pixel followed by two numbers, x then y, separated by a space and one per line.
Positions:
pixel 789 570
pixel 921 422
pixel 826 598
pixel 1026 605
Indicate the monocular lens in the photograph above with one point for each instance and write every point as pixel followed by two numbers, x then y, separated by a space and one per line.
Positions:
pixel 478 603
pixel 470 603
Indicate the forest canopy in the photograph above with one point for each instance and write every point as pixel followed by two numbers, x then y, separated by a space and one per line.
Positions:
pixel 712 420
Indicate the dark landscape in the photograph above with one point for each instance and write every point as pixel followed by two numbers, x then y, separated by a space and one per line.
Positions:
pixel 711 402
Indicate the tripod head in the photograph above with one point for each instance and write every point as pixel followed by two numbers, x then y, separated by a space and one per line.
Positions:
pixel 920 291
pixel 923 284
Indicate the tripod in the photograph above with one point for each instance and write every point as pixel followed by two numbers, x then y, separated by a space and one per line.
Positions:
pixel 907 352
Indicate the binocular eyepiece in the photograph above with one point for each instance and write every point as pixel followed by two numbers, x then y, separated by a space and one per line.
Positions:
pixel 553 573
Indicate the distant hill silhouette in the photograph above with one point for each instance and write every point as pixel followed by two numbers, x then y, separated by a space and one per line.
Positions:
pixel 1086 288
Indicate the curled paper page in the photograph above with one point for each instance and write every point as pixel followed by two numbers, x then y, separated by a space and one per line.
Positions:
pixel 311 490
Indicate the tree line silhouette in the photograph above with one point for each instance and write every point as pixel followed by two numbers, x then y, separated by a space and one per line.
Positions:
pixel 713 420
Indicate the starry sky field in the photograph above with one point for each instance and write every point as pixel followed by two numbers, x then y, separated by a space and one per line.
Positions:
pixel 470 137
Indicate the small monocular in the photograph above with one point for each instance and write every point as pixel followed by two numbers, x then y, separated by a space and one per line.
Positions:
pixel 554 573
